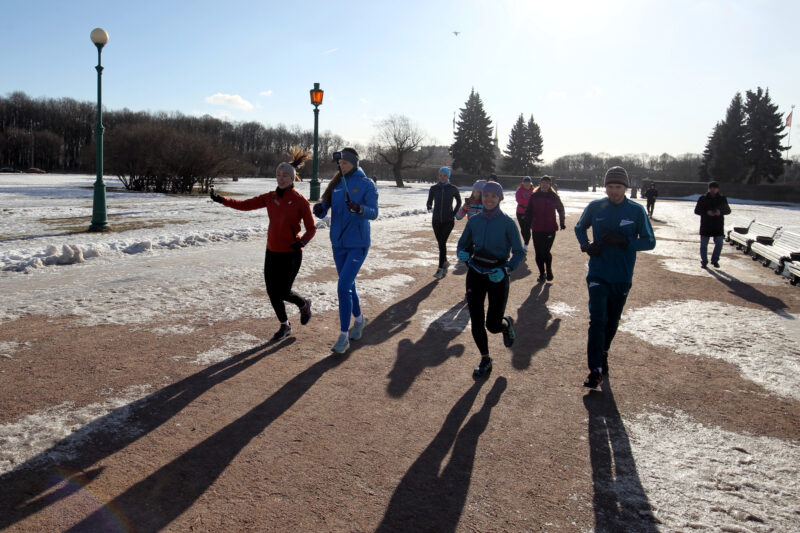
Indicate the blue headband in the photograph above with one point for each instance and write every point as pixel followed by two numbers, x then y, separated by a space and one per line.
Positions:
pixel 445 170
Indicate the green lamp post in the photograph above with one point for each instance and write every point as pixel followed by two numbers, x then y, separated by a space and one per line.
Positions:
pixel 316 101
pixel 99 37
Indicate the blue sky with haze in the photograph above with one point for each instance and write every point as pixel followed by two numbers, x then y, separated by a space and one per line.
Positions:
pixel 617 76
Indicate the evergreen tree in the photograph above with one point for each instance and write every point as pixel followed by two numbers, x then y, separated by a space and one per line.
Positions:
pixel 473 149
pixel 516 159
pixel 763 137
pixel 728 162
pixel 533 145
pixel 712 147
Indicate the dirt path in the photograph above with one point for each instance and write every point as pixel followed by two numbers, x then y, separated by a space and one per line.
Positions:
pixel 394 436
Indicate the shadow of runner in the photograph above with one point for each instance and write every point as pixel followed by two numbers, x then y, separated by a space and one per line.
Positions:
pixel 533 331
pixel 750 293
pixel 166 493
pixel 426 500
pixel 430 350
pixel 620 503
pixel 394 319
pixel 25 490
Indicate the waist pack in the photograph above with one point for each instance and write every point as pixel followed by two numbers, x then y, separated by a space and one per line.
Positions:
pixel 487 260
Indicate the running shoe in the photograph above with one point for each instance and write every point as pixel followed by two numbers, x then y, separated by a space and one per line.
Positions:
pixel 342 344
pixel 549 276
pixel 594 379
pixel 508 333
pixel 541 278
pixel 305 312
pixel 282 333
pixel 715 264
pixel 484 367
pixel 357 329
pixel 439 273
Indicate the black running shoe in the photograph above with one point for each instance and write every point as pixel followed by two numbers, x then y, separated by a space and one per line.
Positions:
pixel 594 379
pixel 282 333
pixel 541 278
pixel 305 312
pixel 484 367
pixel 715 264
pixel 508 333
pixel 605 363
pixel 549 276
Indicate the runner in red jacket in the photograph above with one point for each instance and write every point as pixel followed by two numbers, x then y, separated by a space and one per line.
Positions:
pixel 285 208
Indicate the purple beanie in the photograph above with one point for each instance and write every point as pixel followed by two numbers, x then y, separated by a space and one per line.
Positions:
pixel 494 188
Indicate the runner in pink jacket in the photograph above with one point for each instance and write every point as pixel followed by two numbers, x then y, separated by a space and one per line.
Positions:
pixel 540 217
pixel 523 195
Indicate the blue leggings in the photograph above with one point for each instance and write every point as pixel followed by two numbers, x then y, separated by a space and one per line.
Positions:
pixel 348 263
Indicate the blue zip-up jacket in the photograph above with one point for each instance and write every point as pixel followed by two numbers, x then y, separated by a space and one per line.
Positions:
pixel 498 237
pixel 351 230
pixel 628 218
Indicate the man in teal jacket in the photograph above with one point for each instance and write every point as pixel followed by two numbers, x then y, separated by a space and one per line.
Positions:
pixel 491 236
pixel 620 228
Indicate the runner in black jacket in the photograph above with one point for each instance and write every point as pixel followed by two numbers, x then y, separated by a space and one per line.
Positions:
pixel 440 201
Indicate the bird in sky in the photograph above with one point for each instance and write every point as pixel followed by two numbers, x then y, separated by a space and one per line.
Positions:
pixel 456 33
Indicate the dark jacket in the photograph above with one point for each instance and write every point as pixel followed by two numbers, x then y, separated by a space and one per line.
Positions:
pixel 712 226
pixel 651 195
pixel 540 214
pixel 441 198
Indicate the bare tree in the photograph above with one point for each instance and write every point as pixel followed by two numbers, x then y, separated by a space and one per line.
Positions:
pixel 400 145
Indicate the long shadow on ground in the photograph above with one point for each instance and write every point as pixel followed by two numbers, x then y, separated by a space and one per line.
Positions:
pixel 431 350
pixel 29 488
pixel 533 327
pixel 747 292
pixel 426 500
pixel 620 503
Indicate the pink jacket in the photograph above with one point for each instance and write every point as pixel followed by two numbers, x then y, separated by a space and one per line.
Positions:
pixel 523 195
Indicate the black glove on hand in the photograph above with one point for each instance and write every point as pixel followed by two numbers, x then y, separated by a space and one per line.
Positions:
pixel 563 226
pixel 615 239
pixel 354 207
pixel 297 245
pixel 319 210
pixel 216 197
pixel 593 249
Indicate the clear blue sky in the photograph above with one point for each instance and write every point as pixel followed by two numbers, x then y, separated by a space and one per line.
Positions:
pixel 599 76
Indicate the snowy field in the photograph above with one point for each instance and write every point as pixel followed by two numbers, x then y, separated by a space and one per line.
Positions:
pixel 185 260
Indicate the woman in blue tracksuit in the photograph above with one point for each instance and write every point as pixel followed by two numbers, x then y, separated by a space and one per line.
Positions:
pixel 494 236
pixel 352 199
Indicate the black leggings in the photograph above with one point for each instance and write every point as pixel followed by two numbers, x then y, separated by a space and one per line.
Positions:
pixel 442 231
pixel 524 228
pixel 542 242
pixel 280 269
pixel 478 286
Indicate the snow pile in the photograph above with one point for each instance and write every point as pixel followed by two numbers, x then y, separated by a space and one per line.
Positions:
pixel 764 345
pixel 705 478
pixel 34 434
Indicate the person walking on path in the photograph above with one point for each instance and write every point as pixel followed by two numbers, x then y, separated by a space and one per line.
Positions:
pixel 540 218
pixel 285 208
pixel 712 208
pixel 651 194
pixel 523 195
pixel 440 201
pixel 620 228
pixel 352 199
pixel 493 236
pixel 474 203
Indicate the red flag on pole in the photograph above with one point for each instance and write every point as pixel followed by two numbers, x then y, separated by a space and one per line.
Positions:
pixel 789 119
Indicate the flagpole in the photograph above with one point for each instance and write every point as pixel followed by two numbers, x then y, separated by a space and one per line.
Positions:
pixel 789 138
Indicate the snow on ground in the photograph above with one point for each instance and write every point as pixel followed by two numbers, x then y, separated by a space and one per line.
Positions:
pixel 185 260
pixel 763 344
pixel 706 478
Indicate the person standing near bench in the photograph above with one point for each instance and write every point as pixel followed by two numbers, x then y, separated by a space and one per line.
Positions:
pixel 440 201
pixel 493 236
pixel 286 208
pixel 620 228
pixel 540 217
pixel 712 208
pixel 651 194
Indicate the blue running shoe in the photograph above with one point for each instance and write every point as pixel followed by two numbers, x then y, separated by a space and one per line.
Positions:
pixel 357 330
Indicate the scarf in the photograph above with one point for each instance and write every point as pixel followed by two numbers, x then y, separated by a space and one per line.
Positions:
pixel 490 214
pixel 280 191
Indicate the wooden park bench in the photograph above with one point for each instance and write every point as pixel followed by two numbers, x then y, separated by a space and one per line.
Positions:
pixel 744 237
pixel 794 272
pixel 783 249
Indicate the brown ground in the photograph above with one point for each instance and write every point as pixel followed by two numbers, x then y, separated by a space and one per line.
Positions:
pixel 393 436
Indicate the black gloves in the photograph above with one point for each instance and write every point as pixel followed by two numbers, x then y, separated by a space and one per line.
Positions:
pixel 319 210
pixel 297 245
pixel 216 197
pixel 563 226
pixel 592 249
pixel 354 207
pixel 615 239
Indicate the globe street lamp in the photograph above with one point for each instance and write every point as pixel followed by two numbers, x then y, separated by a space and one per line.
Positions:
pixel 99 37
pixel 316 101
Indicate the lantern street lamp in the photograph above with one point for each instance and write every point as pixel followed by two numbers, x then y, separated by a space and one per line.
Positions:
pixel 316 101
pixel 99 37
